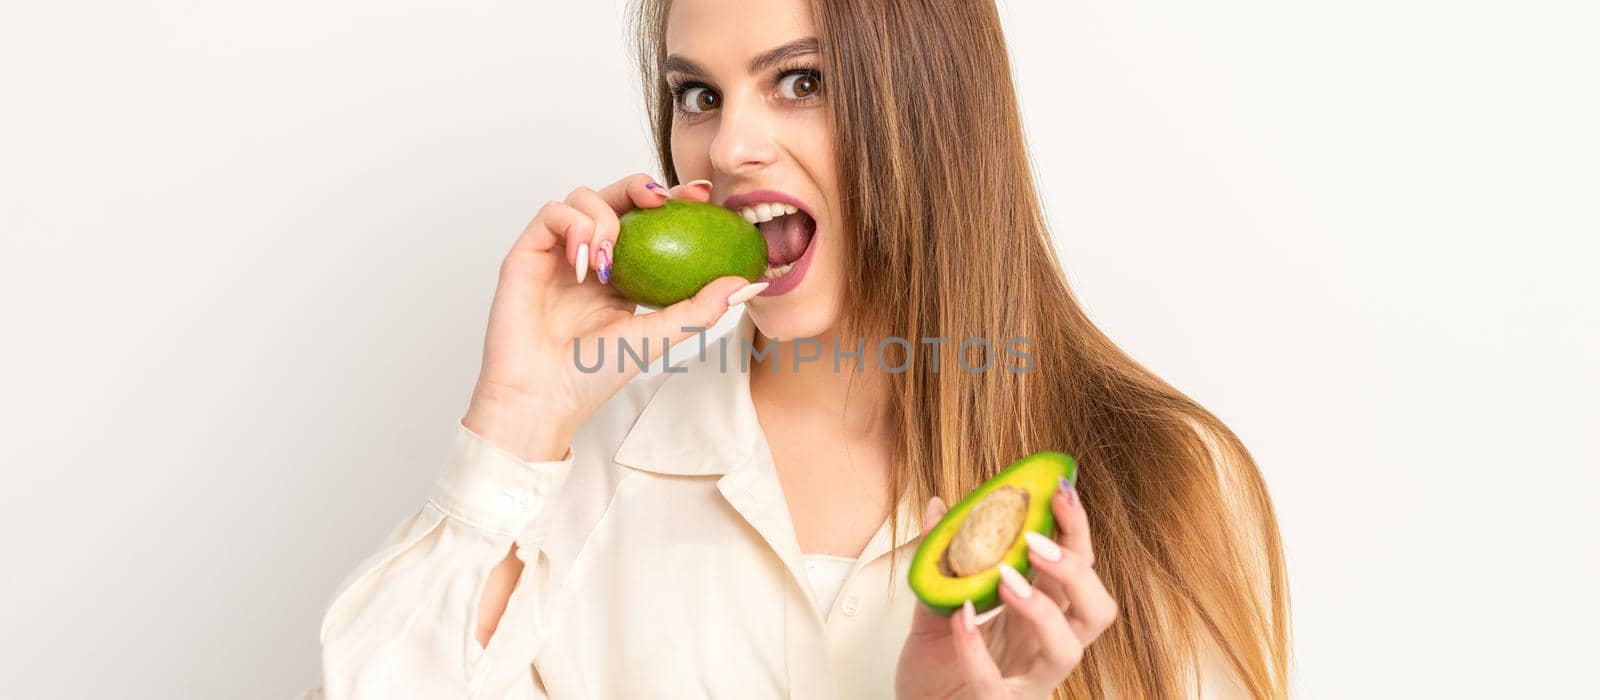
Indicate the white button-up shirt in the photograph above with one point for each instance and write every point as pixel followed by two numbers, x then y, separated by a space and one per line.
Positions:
pixel 661 562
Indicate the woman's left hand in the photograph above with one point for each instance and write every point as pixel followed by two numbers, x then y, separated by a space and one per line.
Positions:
pixel 1028 649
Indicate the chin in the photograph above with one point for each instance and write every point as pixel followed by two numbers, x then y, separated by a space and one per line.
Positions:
pixel 799 314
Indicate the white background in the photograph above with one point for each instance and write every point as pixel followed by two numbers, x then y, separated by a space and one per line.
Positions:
pixel 248 249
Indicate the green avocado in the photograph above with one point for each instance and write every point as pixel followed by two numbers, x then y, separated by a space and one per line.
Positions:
pixel 959 556
pixel 665 254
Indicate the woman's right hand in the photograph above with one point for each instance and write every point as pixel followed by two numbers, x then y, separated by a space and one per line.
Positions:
pixel 530 395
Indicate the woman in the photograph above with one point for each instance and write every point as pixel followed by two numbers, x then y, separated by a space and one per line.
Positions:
pixel 711 532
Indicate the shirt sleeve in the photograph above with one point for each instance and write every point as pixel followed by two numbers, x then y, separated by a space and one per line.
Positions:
pixel 402 623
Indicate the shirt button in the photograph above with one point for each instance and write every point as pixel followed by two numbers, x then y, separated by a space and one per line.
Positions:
pixel 850 606
pixel 520 501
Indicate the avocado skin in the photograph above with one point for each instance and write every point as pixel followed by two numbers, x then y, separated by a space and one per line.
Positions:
pixel 666 254
pixel 1038 473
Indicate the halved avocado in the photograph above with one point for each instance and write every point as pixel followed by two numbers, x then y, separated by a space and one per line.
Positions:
pixel 959 557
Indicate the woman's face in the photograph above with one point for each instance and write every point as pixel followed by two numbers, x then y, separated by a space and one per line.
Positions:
pixel 749 116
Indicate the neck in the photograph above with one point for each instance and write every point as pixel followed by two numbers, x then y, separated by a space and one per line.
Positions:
pixel 798 378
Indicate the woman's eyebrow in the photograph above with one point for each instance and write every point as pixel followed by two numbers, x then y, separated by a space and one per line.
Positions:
pixel 798 47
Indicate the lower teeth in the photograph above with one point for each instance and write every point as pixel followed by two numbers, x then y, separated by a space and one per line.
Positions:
pixel 776 272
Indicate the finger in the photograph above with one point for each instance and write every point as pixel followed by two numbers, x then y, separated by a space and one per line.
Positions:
pixel 654 195
pixel 1060 650
pixel 924 621
pixel 1090 608
pixel 932 512
pixel 687 318
pixel 972 655
pixel 698 190
pixel 1072 521
pixel 1044 549
pixel 554 223
pixel 633 192
pixel 927 623
pixel 605 228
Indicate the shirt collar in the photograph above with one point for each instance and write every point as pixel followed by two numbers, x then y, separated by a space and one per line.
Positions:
pixel 701 422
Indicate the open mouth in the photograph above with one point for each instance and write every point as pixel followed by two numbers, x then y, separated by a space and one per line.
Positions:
pixel 788 230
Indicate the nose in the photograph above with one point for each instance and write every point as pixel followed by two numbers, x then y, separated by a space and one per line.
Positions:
pixel 745 138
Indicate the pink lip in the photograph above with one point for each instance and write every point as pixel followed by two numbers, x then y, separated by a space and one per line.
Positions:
pixel 789 281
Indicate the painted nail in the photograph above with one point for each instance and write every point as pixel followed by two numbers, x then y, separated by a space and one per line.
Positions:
pixel 969 617
pixel 745 293
pixel 1015 581
pixel 583 262
pixel 1070 490
pixel 658 189
pixel 604 269
pixel 1043 546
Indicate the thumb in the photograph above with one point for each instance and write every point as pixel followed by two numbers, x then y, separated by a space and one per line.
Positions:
pixel 924 621
pixel 694 315
pixel 933 512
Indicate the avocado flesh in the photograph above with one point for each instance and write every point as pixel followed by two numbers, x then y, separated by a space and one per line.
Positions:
pixel 666 254
pixel 930 576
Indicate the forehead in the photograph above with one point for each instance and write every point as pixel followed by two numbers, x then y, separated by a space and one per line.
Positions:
pixel 715 30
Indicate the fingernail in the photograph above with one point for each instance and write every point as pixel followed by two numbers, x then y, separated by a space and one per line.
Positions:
pixel 1015 581
pixel 1070 491
pixel 583 261
pixel 1042 546
pixel 745 293
pixel 605 262
pixel 699 183
pixel 969 616
pixel 658 189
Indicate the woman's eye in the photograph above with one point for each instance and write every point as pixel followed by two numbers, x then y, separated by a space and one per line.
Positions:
pixel 801 84
pixel 699 99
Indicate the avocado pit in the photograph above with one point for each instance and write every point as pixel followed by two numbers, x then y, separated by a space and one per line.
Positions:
pixel 988 532
pixel 959 556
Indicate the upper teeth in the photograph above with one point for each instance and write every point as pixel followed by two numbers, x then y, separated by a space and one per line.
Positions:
pixel 766 211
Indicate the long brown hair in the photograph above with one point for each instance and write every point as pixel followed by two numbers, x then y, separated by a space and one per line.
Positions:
pixel 927 131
